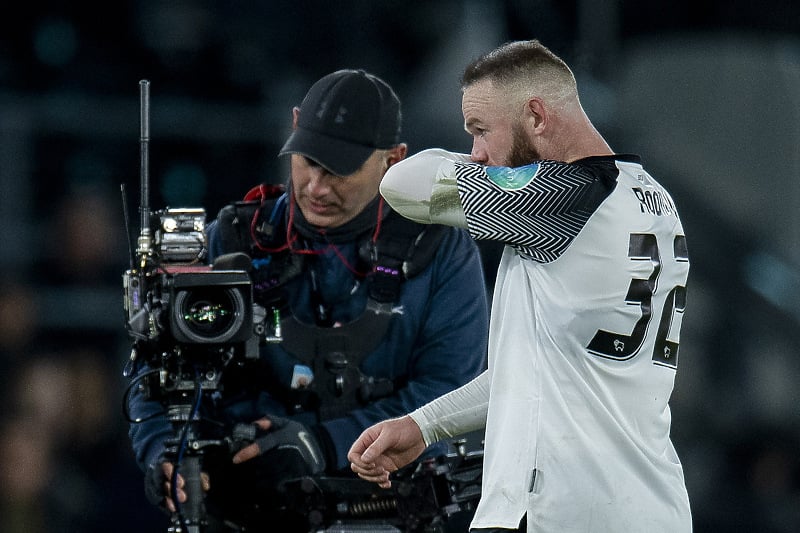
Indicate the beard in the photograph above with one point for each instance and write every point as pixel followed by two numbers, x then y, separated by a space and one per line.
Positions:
pixel 521 153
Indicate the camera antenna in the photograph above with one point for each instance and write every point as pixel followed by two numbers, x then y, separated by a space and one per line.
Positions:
pixel 145 240
pixel 127 219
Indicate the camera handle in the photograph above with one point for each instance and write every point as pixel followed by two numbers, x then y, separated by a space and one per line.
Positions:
pixel 185 451
pixel 190 516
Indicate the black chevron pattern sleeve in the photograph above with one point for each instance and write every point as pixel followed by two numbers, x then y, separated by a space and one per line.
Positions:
pixel 538 209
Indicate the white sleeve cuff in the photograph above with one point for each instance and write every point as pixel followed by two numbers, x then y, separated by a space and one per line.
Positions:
pixel 458 412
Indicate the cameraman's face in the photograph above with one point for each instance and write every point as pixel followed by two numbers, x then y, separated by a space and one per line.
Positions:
pixel 328 200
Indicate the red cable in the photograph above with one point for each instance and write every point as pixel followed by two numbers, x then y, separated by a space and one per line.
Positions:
pixel 291 238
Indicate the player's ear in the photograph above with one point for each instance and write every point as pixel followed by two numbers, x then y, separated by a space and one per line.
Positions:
pixel 295 117
pixel 536 114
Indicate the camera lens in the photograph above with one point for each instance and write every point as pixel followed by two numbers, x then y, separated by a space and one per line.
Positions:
pixel 209 314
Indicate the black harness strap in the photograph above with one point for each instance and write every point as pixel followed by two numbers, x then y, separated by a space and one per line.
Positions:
pixel 335 355
pixel 404 248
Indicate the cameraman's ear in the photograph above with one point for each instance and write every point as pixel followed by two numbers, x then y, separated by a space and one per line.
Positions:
pixel 396 153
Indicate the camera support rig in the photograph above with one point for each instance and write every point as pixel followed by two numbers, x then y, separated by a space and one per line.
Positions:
pixel 188 322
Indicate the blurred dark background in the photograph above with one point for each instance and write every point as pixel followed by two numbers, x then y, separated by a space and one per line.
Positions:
pixel 707 92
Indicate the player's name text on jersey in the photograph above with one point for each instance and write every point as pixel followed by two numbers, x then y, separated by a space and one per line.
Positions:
pixel 654 202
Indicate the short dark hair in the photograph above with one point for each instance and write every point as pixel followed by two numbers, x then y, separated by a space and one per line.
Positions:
pixel 517 60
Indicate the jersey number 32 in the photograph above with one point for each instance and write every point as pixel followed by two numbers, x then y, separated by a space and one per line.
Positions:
pixel 641 292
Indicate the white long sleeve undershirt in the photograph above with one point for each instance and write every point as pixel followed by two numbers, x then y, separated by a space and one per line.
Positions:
pixel 455 413
pixel 423 188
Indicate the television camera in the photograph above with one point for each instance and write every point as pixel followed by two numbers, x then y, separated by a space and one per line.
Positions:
pixel 189 323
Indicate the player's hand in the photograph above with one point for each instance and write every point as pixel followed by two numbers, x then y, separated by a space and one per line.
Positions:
pixel 385 448
pixel 158 486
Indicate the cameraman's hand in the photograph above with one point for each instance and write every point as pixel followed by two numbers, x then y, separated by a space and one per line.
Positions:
pixel 274 433
pixel 252 450
pixel 158 486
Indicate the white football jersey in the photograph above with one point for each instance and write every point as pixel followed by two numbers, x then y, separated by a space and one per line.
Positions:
pixel 583 345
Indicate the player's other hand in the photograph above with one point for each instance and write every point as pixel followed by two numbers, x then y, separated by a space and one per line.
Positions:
pixel 384 448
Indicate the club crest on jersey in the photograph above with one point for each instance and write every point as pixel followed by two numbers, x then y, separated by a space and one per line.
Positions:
pixel 512 179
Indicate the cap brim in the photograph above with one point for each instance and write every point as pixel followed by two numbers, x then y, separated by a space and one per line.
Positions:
pixel 337 156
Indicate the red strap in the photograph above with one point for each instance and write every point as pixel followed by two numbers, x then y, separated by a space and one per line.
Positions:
pixel 263 191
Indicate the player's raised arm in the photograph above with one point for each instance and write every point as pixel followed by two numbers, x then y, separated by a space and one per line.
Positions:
pixel 423 188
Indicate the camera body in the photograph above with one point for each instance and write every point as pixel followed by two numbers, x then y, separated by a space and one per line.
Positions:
pixel 189 307
pixel 185 317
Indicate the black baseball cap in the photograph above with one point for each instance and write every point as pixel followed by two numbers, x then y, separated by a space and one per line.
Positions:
pixel 344 117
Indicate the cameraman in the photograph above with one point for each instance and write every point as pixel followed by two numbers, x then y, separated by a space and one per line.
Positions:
pixel 378 315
